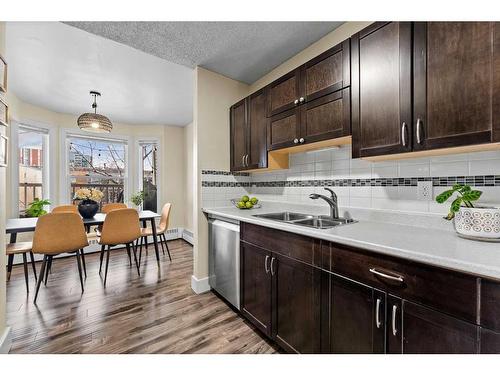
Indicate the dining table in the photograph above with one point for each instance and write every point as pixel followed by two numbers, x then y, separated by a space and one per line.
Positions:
pixel 28 224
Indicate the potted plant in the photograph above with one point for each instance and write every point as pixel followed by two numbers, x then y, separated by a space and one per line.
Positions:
pixel 469 219
pixel 137 199
pixel 89 201
pixel 36 208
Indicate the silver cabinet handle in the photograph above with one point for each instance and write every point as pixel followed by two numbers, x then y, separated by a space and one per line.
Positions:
pixel 386 276
pixel 301 99
pixel 295 141
pixel 246 159
pixel 272 264
pixel 419 124
pixel 265 264
pixel 403 133
pixel 377 313
pixel 301 140
pixel 394 310
pixel 243 160
pixel 296 101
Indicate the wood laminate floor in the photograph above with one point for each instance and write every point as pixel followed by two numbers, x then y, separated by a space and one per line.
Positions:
pixel 154 313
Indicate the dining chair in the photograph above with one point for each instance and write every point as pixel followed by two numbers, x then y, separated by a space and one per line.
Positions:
pixel 108 207
pixel 21 248
pixel 160 231
pixel 49 241
pixel 65 208
pixel 120 227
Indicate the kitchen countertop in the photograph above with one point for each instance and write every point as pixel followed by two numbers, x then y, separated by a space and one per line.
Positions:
pixel 438 247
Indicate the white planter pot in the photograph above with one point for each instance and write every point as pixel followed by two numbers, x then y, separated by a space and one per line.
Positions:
pixel 481 222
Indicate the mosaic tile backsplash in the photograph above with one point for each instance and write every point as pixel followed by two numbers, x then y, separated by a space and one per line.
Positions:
pixel 389 185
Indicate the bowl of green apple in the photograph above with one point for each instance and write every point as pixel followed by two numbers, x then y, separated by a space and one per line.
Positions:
pixel 246 203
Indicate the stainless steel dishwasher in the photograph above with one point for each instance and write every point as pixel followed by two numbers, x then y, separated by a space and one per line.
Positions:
pixel 224 259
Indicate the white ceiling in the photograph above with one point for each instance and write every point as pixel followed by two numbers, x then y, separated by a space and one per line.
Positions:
pixel 54 66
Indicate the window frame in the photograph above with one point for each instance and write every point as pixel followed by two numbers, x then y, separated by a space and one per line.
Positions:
pixel 139 170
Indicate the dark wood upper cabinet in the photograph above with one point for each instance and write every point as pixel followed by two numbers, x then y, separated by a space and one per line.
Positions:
pixel 284 93
pixel 381 89
pixel 456 83
pixel 248 139
pixel 283 130
pixel 297 305
pixel 256 286
pixel 238 135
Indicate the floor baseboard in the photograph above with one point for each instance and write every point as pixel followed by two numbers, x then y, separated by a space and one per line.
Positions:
pixel 6 341
pixel 199 286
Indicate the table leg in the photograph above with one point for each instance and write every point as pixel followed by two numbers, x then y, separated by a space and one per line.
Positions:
pixel 10 262
pixel 155 240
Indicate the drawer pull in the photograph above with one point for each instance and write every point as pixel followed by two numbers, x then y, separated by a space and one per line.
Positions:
pixel 394 310
pixel 265 264
pixel 386 276
pixel 272 264
pixel 377 313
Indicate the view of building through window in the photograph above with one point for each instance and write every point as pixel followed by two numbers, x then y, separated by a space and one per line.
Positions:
pixel 149 157
pixel 32 144
pixel 100 164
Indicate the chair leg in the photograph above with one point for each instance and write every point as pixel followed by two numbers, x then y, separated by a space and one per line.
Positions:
pixel 107 264
pixel 33 265
pixel 25 263
pixel 79 268
pixel 102 256
pixel 10 262
pixel 47 269
pixel 135 258
pixel 166 244
pixel 161 243
pixel 42 270
pixel 129 256
pixel 140 250
pixel 83 262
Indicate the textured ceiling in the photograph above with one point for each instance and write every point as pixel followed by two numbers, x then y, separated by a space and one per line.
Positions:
pixel 240 50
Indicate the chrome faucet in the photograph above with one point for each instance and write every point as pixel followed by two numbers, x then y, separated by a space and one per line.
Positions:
pixel 333 202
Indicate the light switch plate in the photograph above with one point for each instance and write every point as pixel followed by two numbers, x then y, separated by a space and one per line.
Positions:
pixel 424 190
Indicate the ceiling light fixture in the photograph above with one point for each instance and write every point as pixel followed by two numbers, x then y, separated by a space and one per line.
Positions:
pixel 93 122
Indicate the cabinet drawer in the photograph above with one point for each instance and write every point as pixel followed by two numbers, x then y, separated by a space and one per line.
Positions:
pixel 285 243
pixel 447 291
pixel 490 305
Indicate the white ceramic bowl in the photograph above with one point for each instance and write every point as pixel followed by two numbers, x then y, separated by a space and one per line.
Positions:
pixel 478 222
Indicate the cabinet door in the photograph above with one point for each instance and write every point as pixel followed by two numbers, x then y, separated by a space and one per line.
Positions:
pixel 456 83
pixel 381 89
pixel 357 318
pixel 283 130
pixel 257 129
pixel 490 341
pixel 328 72
pixel 327 117
pixel 296 305
pixel 427 331
pixel 256 286
pixel 284 93
pixel 239 135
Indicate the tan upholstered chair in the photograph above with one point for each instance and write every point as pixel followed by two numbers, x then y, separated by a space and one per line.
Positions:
pixel 21 248
pixel 65 208
pixel 106 208
pixel 48 240
pixel 120 227
pixel 160 231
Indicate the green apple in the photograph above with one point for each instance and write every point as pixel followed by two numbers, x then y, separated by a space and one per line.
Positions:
pixel 245 198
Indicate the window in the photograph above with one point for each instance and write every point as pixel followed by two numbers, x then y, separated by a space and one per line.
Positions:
pixel 32 152
pixel 149 174
pixel 98 163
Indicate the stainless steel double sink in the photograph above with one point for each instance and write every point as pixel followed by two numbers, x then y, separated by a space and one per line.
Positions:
pixel 318 222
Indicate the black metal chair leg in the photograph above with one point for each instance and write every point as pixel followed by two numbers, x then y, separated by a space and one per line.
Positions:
pixel 161 243
pixel 42 270
pixel 47 269
pixel 33 265
pixel 25 263
pixel 79 268
pixel 102 256
pixel 166 244
pixel 83 262
pixel 107 264
pixel 10 262
pixel 135 258
pixel 140 250
pixel 129 256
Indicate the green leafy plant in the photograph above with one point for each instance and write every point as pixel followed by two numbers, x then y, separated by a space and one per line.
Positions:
pixel 464 196
pixel 138 198
pixel 35 208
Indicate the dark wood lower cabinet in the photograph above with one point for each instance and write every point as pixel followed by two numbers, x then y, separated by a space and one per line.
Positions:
pixel 490 341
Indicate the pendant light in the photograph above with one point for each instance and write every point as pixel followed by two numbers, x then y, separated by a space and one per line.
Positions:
pixel 93 122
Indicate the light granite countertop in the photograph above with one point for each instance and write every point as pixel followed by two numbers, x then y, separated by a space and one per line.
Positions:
pixel 423 238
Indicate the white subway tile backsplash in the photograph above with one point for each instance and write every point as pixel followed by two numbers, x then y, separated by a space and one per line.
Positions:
pixel 456 168
pixel 414 170
pixel 484 167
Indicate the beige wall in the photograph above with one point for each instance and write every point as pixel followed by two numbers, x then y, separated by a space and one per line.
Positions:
pixel 213 94
pixel 3 202
pixel 189 176
pixel 171 153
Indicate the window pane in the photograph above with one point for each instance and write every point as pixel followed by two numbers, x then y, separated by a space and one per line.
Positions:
pixel 149 175
pixel 98 164
pixel 31 162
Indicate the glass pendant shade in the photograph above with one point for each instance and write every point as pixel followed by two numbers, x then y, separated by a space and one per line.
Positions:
pixel 93 122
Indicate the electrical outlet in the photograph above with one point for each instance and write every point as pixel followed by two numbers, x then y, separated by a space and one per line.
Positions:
pixel 424 190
